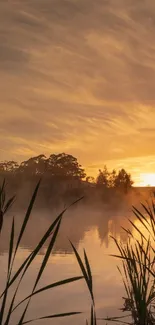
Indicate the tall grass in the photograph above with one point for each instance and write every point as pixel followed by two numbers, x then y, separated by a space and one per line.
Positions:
pixel 138 268
pixel 137 271
pixel 8 308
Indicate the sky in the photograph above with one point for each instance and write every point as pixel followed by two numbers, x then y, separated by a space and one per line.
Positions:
pixel 78 76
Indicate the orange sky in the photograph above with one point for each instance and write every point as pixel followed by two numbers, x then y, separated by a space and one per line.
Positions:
pixel 79 76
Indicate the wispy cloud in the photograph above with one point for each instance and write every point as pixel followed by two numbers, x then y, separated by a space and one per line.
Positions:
pixel 77 76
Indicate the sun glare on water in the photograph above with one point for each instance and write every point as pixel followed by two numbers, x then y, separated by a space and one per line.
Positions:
pixel 147 179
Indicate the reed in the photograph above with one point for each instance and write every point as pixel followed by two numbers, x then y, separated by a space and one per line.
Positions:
pixel 138 268
pixel 7 308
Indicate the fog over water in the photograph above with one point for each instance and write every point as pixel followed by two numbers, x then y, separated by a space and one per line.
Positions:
pixel 87 228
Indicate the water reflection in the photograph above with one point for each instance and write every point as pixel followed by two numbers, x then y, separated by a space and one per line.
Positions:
pixel 76 223
pixel 87 229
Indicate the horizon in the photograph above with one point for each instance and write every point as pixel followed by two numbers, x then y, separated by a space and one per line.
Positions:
pixel 144 180
pixel 79 76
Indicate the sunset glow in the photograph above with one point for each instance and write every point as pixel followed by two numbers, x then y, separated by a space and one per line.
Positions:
pixel 79 77
pixel 147 179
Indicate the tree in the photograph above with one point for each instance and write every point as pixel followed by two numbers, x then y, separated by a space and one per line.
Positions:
pixel 123 181
pixel 8 166
pixel 65 166
pixel 102 178
pixel 90 179
pixel 112 178
pixel 34 166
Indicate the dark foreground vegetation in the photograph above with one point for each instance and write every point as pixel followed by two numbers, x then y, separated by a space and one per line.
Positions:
pixel 7 308
pixel 63 181
pixel 138 268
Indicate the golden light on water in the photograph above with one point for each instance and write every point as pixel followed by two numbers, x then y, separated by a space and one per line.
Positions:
pixel 147 179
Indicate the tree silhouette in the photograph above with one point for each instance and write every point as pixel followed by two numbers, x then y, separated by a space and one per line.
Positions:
pixel 90 179
pixel 123 181
pixel 65 166
pixel 34 166
pixel 8 166
pixel 102 178
pixel 63 176
pixel 112 178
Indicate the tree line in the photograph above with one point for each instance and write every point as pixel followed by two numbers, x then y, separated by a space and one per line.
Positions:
pixel 65 167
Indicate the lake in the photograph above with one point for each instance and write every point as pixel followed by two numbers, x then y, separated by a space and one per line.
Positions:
pixel 87 229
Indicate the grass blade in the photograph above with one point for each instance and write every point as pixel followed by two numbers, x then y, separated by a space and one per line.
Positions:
pixel 27 216
pixel 86 277
pixel 43 265
pixel 53 285
pixel 11 245
pixel 88 269
pixel 8 273
pixel 25 265
pixel 54 316
pixel 9 204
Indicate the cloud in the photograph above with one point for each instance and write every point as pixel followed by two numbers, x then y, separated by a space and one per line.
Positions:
pixel 77 76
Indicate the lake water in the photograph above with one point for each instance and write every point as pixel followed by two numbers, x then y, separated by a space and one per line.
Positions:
pixel 91 230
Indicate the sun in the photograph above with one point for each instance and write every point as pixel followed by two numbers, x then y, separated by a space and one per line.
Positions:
pixel 147 179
